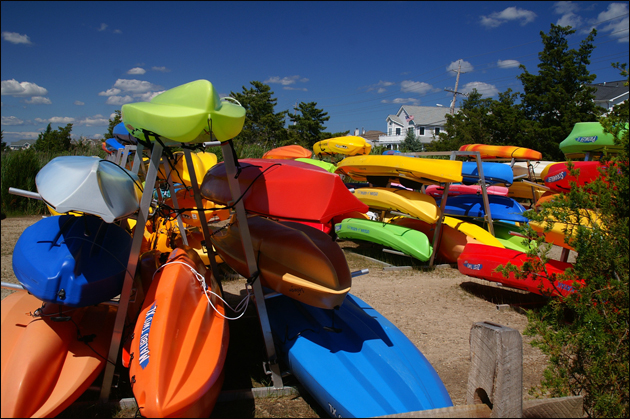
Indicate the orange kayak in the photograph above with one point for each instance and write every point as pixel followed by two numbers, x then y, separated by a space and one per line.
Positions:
pixel 45 365
pixel 288 152
pixel 180 342
pixel 502 152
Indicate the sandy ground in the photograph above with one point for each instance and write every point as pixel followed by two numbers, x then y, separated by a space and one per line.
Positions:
pixel 435 309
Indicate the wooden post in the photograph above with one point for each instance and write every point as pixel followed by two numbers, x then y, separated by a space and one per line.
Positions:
pixel 496 370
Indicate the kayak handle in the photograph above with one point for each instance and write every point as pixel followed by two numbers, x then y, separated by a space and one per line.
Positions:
pixel 27 194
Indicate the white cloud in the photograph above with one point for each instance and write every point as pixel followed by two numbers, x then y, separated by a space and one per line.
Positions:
pixel 161 69
pixel 117 31
pixel 11 136
pixel 61 120
pixel 564 7
pixel 79 103
pixel 421 88
pixel 285 81
pixel 303 89
pixel 39 100
pixel 11 120
pixel 617 28
pixel 93 121
pixel 16 38
pixel 15 88
pixel 511 13
pixel 402 101
pixel 110 92
pixel 137 70
pixel 487 90
pixel 118 100
pixel 103 27
pixel 466 67
pixel 146 97
pixel 507 63
pixel 570 19
pixel 135 86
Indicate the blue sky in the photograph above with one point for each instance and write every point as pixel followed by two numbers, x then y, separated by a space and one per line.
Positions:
pixel 77 62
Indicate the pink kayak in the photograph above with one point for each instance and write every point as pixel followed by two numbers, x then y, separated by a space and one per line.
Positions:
pixel 459 189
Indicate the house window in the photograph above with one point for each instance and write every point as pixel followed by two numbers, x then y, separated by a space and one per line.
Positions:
pixel 421 130
pixel 389 132
pixel 410 129
pixel 437 130
pixel 397 131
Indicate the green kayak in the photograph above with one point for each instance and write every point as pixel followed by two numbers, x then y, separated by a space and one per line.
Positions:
pixel 407 240
pixel 588 137
pixel 320 163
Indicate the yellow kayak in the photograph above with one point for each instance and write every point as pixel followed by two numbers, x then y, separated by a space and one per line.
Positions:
pixel 473 231
pixel 524 191
pixel 348 145
pixel 202 162
pixel 413 203
pixel 558 231
pixel 415 169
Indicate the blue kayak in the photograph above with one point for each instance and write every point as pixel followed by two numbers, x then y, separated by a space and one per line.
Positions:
pixel 113 145
pixel 121 134
pixel 354 361
pixel 492 172
pixel 74 261
pixel 501 207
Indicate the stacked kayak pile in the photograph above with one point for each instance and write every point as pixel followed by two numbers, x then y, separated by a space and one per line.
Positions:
pixel 117 237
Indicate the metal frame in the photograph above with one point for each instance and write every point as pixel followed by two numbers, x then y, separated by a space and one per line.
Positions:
pixel 241 216
pixel 437 236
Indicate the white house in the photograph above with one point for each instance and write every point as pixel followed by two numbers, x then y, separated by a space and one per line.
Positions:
pixel 609 94
pixel 426 122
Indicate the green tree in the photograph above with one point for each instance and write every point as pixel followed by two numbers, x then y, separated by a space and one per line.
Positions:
pixel 112 123
pixel 263 126
pixel 54 141
pixel 309 124
pixel 585 334
pixel 557 97
pixel 411 143
pixel 4 145
pixel 469 126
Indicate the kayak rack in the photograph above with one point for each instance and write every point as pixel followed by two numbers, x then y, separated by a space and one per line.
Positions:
pixel 271 367
pixel 437 236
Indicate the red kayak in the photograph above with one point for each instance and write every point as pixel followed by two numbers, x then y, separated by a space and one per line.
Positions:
pixel 559 179
pixel 460 189
pixel 284 189
pixel 480 261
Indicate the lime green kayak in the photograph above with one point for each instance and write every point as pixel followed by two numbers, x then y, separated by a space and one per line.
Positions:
pixel 190 113
pixel 509 236
pixel 320 163
pixel 407 240
pixel 588 137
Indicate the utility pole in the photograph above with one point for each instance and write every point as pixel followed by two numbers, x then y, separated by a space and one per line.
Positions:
pixel 455 92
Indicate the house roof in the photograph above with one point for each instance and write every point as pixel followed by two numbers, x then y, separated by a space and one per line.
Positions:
pixel 372 135
pixel 422 115
pixel 610 90
pixel 22 143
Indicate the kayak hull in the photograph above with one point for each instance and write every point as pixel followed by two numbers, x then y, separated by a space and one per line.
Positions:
pixel 502 152
pixel 416 204
pixel 559 179
pixel 284 189
pixel 288 152
pixel 74 261
pixel 349 145
pixel 356 365
pixel 90 185
pixel 588 137
pixel 501 207
pixel 455 189
pixel 407 240
pixel 45 367
pixel 294 259
pixel 480 261
pixel 417 170
pixel 180 342
pixel 492 173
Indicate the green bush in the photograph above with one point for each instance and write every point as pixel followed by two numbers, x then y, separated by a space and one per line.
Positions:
pixel 19 169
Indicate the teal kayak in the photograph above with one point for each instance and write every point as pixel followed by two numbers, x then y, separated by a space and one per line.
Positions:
pixel 407 240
